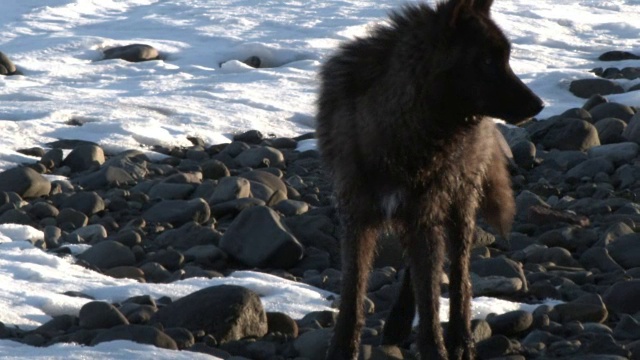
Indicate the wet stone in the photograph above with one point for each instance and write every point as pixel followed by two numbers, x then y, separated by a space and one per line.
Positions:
pixel 108 254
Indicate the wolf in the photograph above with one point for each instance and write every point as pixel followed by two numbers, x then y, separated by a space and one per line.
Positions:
pixel 404 127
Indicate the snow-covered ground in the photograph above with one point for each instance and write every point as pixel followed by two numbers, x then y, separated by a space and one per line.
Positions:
pixel 57 45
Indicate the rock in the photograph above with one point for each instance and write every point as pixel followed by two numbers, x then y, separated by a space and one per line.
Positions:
pixel 623 152
pixel 87 202
pixel 170 191
pixel 632 131
pixel 569 134
pixel 510 323
pixel 495 286
pixel 227 312
pixel 261 157
pixel 142 334
pixel 187 236
pixel 257 237
pixel 621 297
pixel 6 66
pixel 252 136
pixel 214 169
pixel 610 130
pixel 24 181
pixel 591 167
pixel 183 337
pixel 178 212
pixel 71 219
pixel 585 88
pixel 599 258
pixel 108 254
pixel 586 309
pixel 617 55
pixel 282 324
pixel 132 53
pixel 91 233
pixel 313 344
pixel 230 188
pixel 524 154
pixel 499 266
pixel 611 110
pixel 84 157
pixel 625 250
pixel 525 200
pixel 107 176
pixel 628 328
pixel 540 215
pixel 100 315
pixel 291 207
pixel 493 347
pixel 273 182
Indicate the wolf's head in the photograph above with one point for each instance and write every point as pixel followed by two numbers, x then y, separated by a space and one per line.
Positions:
pixel 471 61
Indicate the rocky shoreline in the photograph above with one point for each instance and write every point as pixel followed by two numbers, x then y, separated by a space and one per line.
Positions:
pixel 257 203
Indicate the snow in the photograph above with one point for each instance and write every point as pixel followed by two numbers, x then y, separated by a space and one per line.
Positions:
pixel 202 88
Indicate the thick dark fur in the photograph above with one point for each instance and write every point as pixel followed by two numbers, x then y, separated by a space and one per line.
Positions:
pixel 402 127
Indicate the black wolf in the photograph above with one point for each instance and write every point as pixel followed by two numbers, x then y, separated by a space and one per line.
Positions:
pixel 402 125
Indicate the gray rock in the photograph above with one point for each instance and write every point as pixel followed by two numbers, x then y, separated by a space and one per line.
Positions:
pixel 622 297
pixel 187 236
pixel 612 110
pixel 171 191
pixel 313 344
pixel 495 286
pixel 610 130
pixel 70 218
pixel 108 254
pixel 7 66
pixel 585 88
pixel 266 178
pixel 591 167
pixel 524 201
pixel 87 202
pixel 493 347
pixel 291 207
pixel 107 176
pixel 100 315
pixel 556 255
pixel 209 256
pixel 625 250
pixel 214 169
pixel 91 233
pixel 524 154
pixel 586 309
pixel 599 258
pixel 569 134
pixel 25 182
pixel 230 188
pixel 178 212
pixel 132 53
pixel 628 328
pixel 227 312
pixel 16 216
pixel 142 334
pixel 500 266
pixel 617 55
pixel 257 237
pixel 632 131
pixel 618 153
pixel 84 157
pixel 261 157
pixel 510 323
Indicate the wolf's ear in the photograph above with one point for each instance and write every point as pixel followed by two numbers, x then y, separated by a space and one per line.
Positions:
pixel 482 6
pixel 456 9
